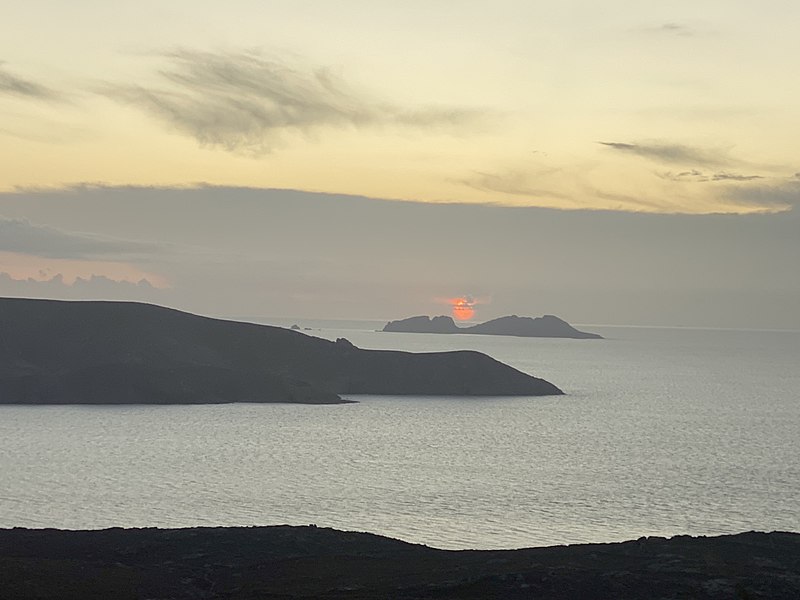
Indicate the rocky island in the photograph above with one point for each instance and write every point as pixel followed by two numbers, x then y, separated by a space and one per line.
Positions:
pixel 546 326
pixel 93 352
pixel 314 562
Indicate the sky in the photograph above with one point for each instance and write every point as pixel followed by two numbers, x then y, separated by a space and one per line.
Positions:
pixel 619 162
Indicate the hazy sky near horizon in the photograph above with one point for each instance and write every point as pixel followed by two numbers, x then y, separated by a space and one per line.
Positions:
pixel 241 252
pixel 620 162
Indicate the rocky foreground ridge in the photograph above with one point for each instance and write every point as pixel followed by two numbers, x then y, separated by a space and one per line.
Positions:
pixel 309 562
pixel 58 352
pixel 546 326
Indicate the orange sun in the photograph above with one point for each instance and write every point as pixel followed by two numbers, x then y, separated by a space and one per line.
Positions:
pixel 463 308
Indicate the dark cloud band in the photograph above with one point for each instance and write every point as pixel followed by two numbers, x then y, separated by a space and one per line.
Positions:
pixel 246 103
pixel 14 85
pixel 698 176
pixel 23 237
pixel 671 153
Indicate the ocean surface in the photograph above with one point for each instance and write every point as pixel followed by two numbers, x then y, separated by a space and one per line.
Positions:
pixel 662 432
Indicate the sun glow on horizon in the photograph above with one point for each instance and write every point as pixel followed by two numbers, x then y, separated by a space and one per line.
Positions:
pixel 463 308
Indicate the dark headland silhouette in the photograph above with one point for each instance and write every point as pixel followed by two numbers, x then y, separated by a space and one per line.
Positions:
pixel 315 562
pixel 546 326
pixel 92 352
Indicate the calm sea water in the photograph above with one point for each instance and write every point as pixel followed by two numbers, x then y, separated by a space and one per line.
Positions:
pixel 662 432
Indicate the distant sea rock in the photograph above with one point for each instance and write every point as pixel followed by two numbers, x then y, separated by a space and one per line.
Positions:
pixel 546 326
pixel 57 352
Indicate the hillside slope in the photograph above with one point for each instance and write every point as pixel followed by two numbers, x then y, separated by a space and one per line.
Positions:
pixel 56 352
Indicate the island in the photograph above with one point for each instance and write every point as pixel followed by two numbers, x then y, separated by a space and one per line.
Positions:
pixel 316 562
pixel 98 352
pixel 546 326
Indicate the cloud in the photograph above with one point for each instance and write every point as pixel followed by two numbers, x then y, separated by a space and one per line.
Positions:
pixel 23 237
pixel 95 286
pixel 513 182
pixel 292 253
pixel 671 153
pixel 702 177
pixel 724 176
pixel 245 103
pixel 779 196
pixel 629 203
pixel 671 28
pixel 17 86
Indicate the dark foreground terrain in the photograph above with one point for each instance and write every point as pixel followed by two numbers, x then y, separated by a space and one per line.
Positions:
pixel 309 562
pixel 55 352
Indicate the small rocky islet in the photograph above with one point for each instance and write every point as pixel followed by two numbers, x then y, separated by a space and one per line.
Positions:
pixel 512 325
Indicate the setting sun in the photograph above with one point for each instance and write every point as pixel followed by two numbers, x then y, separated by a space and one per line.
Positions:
pixel 463 308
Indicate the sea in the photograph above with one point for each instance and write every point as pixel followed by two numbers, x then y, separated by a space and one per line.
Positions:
pixel 660 432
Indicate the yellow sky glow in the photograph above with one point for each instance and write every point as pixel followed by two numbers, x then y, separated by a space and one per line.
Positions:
pixel 531 92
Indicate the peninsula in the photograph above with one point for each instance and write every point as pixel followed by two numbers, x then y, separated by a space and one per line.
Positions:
pixel 93 352
pixel 316 562
pixel 546 326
